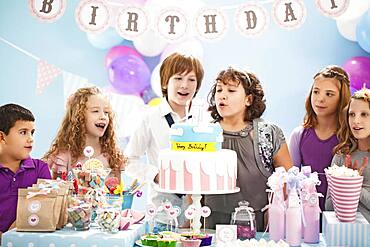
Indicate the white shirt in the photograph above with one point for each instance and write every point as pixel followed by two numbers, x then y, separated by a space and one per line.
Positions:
pixel 150 137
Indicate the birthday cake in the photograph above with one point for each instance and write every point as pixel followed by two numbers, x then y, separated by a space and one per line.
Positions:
pixel 195 163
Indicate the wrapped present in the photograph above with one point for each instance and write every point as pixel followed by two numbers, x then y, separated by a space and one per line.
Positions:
pixel 338 233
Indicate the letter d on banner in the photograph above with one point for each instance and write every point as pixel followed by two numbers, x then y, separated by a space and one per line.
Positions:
pixel 47 10
pixel 92 16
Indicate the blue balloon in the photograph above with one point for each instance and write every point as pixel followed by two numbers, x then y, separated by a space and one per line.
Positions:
pixel 363 32
pixel 105 40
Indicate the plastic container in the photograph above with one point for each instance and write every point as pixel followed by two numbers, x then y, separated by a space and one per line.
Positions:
pixel 245 220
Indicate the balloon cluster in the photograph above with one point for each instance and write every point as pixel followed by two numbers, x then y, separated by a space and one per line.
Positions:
pixel 354 23
pixel 129 64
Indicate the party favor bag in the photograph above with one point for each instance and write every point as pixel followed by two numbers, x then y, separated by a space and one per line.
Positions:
pixel 65 189
pixel 36 210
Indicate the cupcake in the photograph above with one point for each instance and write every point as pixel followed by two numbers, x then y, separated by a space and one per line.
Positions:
pixel 166 242
pixel 191 242
pixel 205 238
pixel 150 240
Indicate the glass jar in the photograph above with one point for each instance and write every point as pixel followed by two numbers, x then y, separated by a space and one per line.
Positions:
pixel 245 220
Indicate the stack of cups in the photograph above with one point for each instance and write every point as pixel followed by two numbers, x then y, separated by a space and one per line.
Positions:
pixel 345 193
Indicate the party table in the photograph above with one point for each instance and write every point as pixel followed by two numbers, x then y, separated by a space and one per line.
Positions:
pixel 70 238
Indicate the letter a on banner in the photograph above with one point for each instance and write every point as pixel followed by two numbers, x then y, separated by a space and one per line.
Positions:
pixel 47 10
pixel 289 14
pixel 251 20
pixel 92 16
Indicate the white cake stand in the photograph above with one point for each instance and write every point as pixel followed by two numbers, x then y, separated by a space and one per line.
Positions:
pixel 196 197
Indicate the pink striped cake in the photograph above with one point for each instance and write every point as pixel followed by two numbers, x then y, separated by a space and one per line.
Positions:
pixel 197 172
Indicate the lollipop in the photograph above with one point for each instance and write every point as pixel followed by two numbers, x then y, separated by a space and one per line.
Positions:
pixel 151 211
pixel 205 212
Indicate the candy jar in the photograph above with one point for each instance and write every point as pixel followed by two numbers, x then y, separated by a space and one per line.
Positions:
pixel 245 220
pixel 79 213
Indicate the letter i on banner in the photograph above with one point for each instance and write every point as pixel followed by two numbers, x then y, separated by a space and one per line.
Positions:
pixel 92 16
pixel 47 10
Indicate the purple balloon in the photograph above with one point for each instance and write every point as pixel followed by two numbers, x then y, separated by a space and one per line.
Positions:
pixel 129 74
pixel 358 69
pixel 118 51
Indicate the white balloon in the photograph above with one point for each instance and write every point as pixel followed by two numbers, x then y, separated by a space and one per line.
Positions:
pixel 191 47
pixel 356 8
pixel 150 44
pixel 347 28
pixel 155 80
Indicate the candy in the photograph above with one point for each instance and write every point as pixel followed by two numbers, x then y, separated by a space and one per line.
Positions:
pixel 92 164
pixel 79 216
pixel 109 219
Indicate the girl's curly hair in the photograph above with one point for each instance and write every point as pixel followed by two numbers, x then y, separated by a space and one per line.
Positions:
pixel 72 132
pixel 347 142
pixel 251 85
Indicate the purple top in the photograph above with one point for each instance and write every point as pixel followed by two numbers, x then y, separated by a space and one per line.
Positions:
pixel 306 148
pixel 28 173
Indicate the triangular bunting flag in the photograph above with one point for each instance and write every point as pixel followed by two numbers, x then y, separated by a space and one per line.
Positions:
pixel 46 73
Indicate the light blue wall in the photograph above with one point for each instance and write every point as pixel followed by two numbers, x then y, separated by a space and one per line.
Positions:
pixel 285 61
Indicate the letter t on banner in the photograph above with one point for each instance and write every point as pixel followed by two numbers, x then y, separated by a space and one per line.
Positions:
pixel 172 25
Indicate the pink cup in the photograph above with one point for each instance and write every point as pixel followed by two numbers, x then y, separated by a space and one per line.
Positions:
pixel 191 242
pixel 345 193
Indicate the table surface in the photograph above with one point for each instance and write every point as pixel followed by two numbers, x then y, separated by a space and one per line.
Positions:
pixel 70 238
pixel 91 238
pixel 266 237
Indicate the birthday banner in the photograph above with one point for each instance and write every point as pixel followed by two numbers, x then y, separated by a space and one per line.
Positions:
pixel 172 23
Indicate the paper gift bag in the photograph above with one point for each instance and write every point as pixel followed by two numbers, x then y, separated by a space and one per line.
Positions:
pixel 65 189
pixel 36 210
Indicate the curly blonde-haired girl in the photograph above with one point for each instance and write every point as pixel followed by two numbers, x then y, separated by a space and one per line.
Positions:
pixel 89 121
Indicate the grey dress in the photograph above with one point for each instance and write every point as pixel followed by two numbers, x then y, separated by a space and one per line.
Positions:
pixel 252 171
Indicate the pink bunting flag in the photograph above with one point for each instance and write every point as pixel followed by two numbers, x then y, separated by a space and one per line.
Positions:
pixel 46 73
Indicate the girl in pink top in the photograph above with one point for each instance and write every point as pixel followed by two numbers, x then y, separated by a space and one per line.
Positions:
pixel 88 122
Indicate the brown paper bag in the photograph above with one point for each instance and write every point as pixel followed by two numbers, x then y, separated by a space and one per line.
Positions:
pixel 35 210
pixel 65 189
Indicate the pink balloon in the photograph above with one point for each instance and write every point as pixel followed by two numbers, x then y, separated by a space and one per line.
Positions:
pixel 358 69
pixel 118 51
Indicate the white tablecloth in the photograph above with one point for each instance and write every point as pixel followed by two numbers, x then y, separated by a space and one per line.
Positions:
pixel 69 238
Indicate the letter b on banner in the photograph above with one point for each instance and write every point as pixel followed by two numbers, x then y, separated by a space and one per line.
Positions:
pixel 47 10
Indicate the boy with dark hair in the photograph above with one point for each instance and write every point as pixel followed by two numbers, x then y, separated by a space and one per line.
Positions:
pixel 17 168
